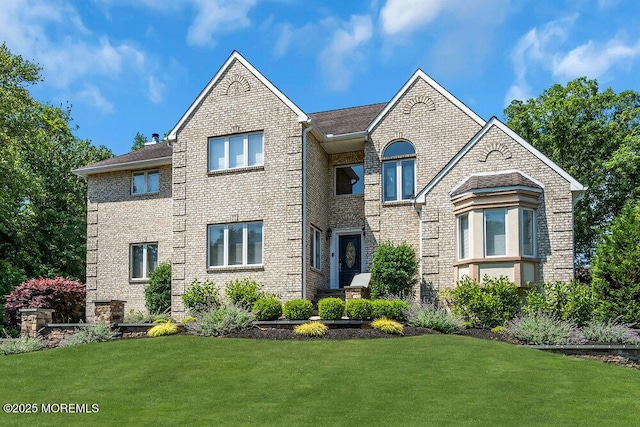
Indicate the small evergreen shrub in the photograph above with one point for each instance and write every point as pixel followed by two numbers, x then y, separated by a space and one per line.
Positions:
pixel 390 309
pixel 91 332
pixel 572 300
pixel 139 317
pixel 393 271
pixel 485 305
pixel 358 309
pixel 22 345
pixel 298 309
pixel 311 329
pixel 245 292
pixel 330 308
pixel 267 309
pixel 388 326
pixel 67 297
pixel 609 331
pixel 222 320
pixel 161 329
pixel 543 328
pixel 201 296
pixel 427 316
pixel 157 293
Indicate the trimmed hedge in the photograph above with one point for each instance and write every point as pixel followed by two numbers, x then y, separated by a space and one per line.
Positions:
pixel 391 309
pixel 330 308
pixel 359 309
pixel 298 309
pixel 267 309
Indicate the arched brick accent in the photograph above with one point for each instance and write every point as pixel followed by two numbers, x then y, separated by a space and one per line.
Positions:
pixel 420 99
pixel 235 84
pixel 495 146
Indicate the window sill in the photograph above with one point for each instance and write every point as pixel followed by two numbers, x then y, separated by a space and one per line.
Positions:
pixel 315 270
pixel 231 268
pixel 235 170
pixel 148 193
pixel 138 281
pixel 341 196
pixel 397 203
pixel 495 259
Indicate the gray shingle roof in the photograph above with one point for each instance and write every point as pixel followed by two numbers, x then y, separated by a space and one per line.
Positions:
pixel 510 179
pixel 148 152
pixel 346 120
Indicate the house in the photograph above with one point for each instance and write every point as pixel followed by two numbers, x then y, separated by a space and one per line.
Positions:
pixel 249 185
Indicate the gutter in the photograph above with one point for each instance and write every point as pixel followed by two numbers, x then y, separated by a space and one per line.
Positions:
pixel 304 208
pixel 84 172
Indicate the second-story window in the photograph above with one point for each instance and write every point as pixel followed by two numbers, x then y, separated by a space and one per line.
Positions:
pixel 145 182
pixel 236 151
pixel 398 170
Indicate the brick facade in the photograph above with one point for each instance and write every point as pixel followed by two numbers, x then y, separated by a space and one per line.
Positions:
pixel 239 100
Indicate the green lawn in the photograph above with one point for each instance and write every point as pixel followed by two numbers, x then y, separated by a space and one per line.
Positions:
pixel 426 380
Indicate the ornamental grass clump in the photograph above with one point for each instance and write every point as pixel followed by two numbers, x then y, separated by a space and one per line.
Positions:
pixel 331 308
pixel 388 326
pixel 358 309
pixel 22 345
pixel 166 328
pixel 428 316
pixel 297 309
pixel 267 309
pixel 542 328
pixel 609 331
pixel 311 329
pixel 222 320
pixel 93 332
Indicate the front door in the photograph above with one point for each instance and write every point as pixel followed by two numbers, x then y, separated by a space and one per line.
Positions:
pixel 349 262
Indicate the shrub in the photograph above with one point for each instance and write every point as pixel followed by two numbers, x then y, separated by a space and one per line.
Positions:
pixel 359 309
pixel 22 345
pixel 616 267
pixel 93 332
pixel 245 292
pixel 222 320
pixel 298 309
pixel 67 297
pixel 485 305
pixel 201 296
pixel 161 329
pixel 188 319
pixel 311 329
pixel 393 271
pixel 157 294
pixel 141 317
pixel 428 316
pixel 572 300
pixel 331 308
pixel 387 325
pixel 609 331
pixel 543 328
pixel 391 309
pixel 267 309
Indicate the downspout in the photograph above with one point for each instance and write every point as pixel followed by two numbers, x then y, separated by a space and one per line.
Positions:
pixel 304 208
pixel 415 206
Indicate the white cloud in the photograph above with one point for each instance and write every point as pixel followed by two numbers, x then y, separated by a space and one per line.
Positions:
pixel 593 59
pixel 156 89
pixel 92 96
pixel 217 16
pixel 338 58
pixel 401 16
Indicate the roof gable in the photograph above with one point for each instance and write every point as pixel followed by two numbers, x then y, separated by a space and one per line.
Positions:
pixel 235 56
pixel 575 186
pixel 419 74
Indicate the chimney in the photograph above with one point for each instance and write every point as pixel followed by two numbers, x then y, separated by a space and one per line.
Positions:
pixel 155 138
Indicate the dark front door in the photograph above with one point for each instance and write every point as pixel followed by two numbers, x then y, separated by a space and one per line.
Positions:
pixel 349 263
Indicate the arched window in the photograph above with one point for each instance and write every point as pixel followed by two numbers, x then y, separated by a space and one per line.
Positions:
pixel 398 171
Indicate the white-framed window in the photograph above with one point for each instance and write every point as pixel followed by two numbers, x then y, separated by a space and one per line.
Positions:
pixel 463 236
pixel 143 259
pixel 316 248
pixel 495 232
pixel 236 151
pixel 528 232
pixel 398 172
pixel 234 244
pixel 349 179
pixel 145 182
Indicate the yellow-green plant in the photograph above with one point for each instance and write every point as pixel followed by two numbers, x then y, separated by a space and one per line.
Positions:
pixel 157 321
pixel 498 329
pixel 188 319
pixel 311 329
pixel 389 326
pixel 161 329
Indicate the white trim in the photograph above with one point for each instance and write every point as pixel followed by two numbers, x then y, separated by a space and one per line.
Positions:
pixel 399 179
pixel 335 180
pixel 335 253
pixel 419 74
pixel 138 164
pixel 575 186
pixel 225 245
pixel 145 270
pixel 227 151
pixel 235 56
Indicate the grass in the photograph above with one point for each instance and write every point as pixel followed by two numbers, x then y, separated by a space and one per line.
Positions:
pixel 426 380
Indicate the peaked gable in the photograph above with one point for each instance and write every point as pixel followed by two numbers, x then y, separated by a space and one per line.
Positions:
pixel 419 74
pixel 575 186
pixel 235 56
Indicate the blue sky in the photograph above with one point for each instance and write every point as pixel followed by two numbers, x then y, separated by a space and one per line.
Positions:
pixel 128 66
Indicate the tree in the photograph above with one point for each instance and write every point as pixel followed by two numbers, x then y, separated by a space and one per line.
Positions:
pixel 42 204
pixel 138 141
pixel 595 136
pixel 616 266
pixel 393 270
